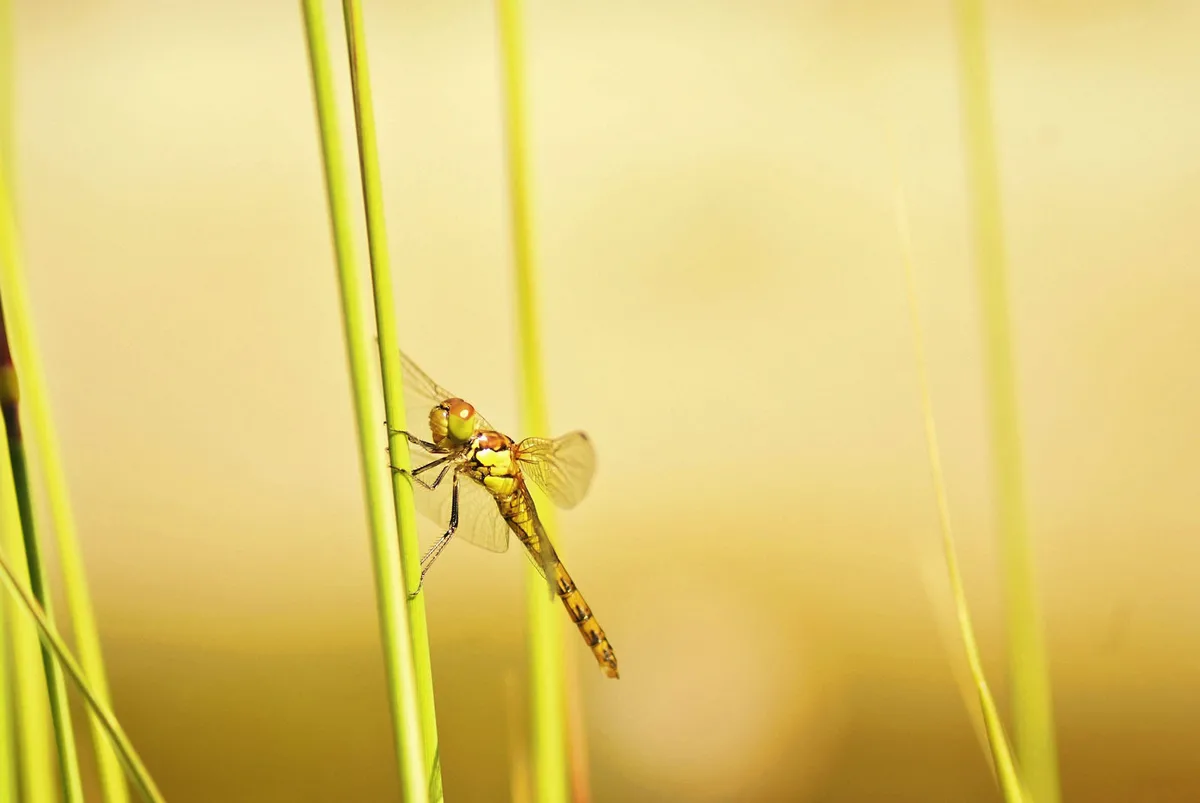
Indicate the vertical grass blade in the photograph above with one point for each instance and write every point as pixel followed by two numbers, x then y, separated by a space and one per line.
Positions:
pixel 390 587
pixel 1006 772
pixel 34 618
pixel 9 789
pixel 549 725
pixel 8 388
pixel 1029 677
pixel 31 704
pixel 60 712
pixel 393 391
pixel 24 351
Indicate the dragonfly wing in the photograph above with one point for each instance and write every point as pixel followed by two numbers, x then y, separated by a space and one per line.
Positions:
pixel 563 467
pixel 541 553
pixel 422 394
pixel 479 520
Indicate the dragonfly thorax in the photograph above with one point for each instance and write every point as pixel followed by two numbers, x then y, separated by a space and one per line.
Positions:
pixel 493 463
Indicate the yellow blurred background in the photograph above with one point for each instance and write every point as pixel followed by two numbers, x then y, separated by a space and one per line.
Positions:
pixel 724 312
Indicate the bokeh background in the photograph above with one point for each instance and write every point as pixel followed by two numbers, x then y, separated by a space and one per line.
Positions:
pixel 724 312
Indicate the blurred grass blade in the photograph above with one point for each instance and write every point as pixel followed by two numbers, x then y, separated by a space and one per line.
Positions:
pixel 19 322
pixel 579 769
pixel 518 746
pixel 60 711
pixel 1005 771
pixel 941 596
pixel 389 363
pixel 35 619
pixel 8 734
pixel 1029 676
pixel 31 705
pixel 31 710
pixel 549 728
pixel 390 590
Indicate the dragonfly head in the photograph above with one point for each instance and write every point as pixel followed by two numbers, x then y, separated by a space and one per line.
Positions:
pixel 453 419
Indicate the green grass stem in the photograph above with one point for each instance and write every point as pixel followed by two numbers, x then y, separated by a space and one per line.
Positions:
pixel 391 594
pixel 393 391
pixel 9 789
pixel 19 323
pixel 31 708
pixel 16 580
pixel 1006 773
pixel 40 695
pixel 60 711
pixel 549 717
pixel 1029 676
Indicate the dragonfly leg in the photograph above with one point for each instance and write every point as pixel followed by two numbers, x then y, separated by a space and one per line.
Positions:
pixel 436 550
pixel 432 485
pixel 413 439
pixel 425 468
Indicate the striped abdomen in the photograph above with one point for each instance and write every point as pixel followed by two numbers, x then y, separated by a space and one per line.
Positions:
pixel 519 512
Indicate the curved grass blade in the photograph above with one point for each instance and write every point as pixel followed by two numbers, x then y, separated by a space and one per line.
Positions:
pixel 391 594
pixel 31 709
pixel 8 745
pixel 9 789
pixel 1029 675
pixel 549 727
pixel 33 677
pixel 60 712
pixel 1010 784
pixel 393 390
pixel 16 581
pixel 24 351
pixel 8 733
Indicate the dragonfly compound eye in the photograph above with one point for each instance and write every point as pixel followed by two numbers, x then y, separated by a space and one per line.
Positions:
pixel 461 420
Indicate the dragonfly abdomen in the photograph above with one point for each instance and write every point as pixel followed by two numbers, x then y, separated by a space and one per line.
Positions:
pixel 521 515
pixel 581 614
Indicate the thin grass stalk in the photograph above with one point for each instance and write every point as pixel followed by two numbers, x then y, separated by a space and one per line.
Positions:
pixel 578 768
pixel 1010 784
pixel 14 577
pixel 1029 676
pixel 60 711
pixel 549 727
pixel 9 789
pixel 393 390
pixel 947 624
pixel 390 589
pixel 31 702
pixel 45 440
pixel 8 388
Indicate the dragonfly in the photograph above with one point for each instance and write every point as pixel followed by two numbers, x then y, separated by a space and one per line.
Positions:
pixel 478 487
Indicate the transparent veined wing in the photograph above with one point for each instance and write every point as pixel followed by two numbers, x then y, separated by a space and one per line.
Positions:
pixel 542 555
pixel 562 467
pixel 479 520
pixel 422 394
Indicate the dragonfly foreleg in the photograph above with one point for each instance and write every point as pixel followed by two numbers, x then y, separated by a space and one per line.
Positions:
pixel 436 550
pixel 413 439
